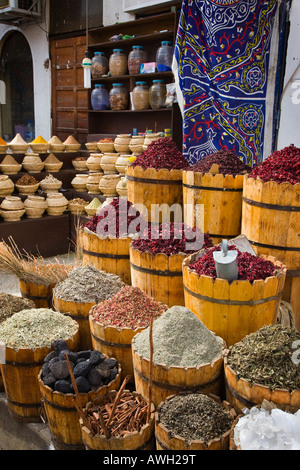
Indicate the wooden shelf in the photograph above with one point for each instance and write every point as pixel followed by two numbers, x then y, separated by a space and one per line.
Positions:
pixel 148 32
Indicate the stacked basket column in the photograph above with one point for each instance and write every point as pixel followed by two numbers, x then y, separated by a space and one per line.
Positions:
pixel 271 222
pixel 213 203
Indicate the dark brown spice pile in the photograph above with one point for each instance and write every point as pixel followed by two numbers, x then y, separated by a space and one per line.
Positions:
pixel 27 180
pixel 266 357
pixel 10 304
pixel 229 163
pixel 195 416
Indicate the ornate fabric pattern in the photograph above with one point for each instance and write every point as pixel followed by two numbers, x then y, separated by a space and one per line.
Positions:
pixel 222 52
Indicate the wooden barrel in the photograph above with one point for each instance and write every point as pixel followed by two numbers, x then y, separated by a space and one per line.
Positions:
pixel 271 222
pixel 165 440
pixel 20 375
pixel 233 310
pixel 115 342
pixel 107 254
pixel 159 276
pixel 62 415
pixel 40 294
pixel 166 381
pixel 142 440
pixel 241 394
pixel 155 189
pixel 219 200
pixel 79 311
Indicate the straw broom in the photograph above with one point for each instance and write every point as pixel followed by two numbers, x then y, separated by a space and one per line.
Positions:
pixel 29 268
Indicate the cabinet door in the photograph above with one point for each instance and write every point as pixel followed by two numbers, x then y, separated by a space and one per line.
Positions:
pixel 69 97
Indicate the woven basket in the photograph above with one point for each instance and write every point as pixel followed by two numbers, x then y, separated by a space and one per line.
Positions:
pixel 106 147
pixel 28 188
pixel 12 216
pixel 10 169
pixel 40 148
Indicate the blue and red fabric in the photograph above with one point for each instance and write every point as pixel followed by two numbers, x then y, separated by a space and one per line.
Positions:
pixel 222 68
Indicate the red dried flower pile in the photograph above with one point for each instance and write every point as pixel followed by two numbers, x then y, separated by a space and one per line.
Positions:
pixel 250 267
pixel 228 162
pixel 283 166
pixel 116 218
pixel 171 239
pixel 162 153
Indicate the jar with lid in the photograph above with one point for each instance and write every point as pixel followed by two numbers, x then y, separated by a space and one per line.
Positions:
pixel 99 65
pixel 99 97
pixel 164 56
pixel 118 63
pixel 136 57
pixel 140 96
pixel 118 97
pixel 157 94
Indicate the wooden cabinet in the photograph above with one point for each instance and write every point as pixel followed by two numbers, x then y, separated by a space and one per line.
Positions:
pixel 148 32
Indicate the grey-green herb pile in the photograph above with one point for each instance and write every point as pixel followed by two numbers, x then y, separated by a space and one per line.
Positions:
pixel 88 284
pixel 36 328
pixel 179 339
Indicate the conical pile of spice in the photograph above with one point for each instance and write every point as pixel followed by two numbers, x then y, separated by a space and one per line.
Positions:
pixel 88 284
pixel 268 357
pixel 128 308
pixel 228 163
pixel 250 267
pixel 36 328
pixel 283 166
pixel 162 153
pixel 171 238
pixel 179 339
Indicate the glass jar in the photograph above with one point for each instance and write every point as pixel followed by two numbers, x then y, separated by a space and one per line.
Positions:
pixel 136 57
pixel 118 63
pixel 140 96
pixel 164 56
pixel 157 94
pixel 99 65
pixel 118 97
pixel 99 97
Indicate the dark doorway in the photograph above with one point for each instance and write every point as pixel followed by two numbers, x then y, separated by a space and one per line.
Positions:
pixel 16 71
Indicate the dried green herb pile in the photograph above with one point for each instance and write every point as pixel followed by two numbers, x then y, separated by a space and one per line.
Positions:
pixel 179 339
pixel 88 284
pixel 10 304
pixel 195 416
pixel 36 328
pixel 266 357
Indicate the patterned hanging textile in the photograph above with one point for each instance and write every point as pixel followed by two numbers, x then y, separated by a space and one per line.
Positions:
pixel 225 65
